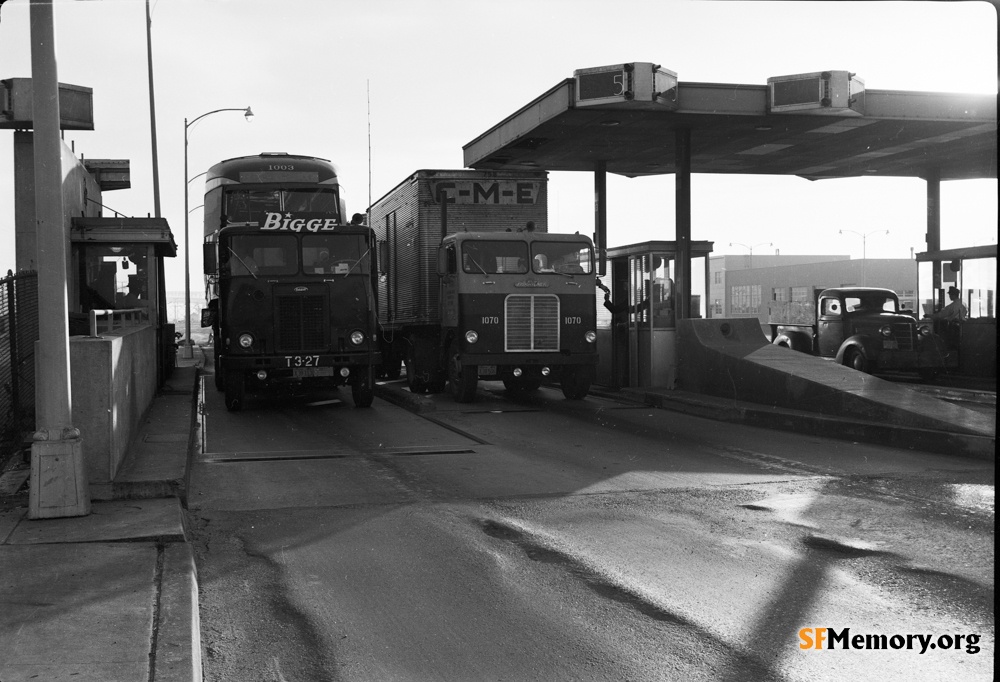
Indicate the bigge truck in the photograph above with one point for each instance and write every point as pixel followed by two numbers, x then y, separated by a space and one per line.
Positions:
pixel 475 286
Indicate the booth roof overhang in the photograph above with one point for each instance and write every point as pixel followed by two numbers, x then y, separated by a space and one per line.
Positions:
pixel 732 130
pixel 118 231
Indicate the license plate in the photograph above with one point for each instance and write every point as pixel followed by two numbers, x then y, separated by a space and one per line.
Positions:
pixel 487 370
pixel 890 344
pixel 301 372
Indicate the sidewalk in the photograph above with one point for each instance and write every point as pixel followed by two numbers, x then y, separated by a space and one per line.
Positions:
pixel 112 596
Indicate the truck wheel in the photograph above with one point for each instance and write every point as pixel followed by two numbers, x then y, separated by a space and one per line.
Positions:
pixel 521 384
pixel 463 379
pixel 576 382
pixel 855 359
pixel 235 391
pixel 363 389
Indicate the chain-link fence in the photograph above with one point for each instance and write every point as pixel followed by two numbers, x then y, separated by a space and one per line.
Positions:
pixel 18 333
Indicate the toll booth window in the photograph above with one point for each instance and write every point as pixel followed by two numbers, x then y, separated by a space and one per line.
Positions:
pixel 115 277
pixel 254 255
pixel 495 257
pixel 335 254
pixel 563 257
pixel 324 201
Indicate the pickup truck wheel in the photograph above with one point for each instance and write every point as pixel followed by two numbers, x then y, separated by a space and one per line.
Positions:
pixel 855 359
pixel 235 391
pixel 363 389
pixel 463 379
pixel 576 382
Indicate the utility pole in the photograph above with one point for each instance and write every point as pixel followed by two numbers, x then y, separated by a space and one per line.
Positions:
pixel 58 485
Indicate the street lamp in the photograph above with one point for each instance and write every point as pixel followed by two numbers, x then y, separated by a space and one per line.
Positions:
pixel 864 248
pixel 750 249
pixel 187 351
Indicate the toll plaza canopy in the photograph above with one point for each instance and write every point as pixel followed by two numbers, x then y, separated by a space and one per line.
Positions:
pixel 637 119
pixel 817 125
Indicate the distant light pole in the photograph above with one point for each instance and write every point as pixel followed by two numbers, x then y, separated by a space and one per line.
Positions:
pixel 750 249
pixel 864 248
pixel 187 351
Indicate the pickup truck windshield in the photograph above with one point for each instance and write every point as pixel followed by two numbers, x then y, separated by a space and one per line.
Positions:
pixel 870 303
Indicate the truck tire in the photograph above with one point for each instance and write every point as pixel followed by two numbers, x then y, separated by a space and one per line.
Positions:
pixel 363 389
pixel 521 384
pixel 855 359
pixel 464 380
pixel 576 382
pixel 235 391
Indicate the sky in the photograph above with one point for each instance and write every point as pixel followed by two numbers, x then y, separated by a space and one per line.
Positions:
pixel 386 87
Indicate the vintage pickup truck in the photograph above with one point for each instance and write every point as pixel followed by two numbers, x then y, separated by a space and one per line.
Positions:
pixel 862 328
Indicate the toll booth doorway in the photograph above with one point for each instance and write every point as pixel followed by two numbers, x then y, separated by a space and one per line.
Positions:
pixel 637 325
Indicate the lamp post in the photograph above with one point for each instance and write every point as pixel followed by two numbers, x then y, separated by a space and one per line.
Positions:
pixel 864 248
pixel 750 249
pixel 187 351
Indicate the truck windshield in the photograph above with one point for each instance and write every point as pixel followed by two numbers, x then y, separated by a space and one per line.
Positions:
pixel 336 254
pixel 492 257
pixel 563 257
pixel 870 303
pixel 280 254
pixel 261 254
pixel 250 206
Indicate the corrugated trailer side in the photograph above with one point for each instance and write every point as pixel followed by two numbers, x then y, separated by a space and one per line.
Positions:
pixel 409 219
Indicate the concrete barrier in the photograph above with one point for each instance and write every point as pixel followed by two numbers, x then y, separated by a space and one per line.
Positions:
pixel 113 383
pixel 731 358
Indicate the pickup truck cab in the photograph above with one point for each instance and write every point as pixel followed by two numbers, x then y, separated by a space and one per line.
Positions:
pixel 860 327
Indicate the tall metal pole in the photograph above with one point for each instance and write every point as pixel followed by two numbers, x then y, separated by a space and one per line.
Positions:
pixel 58 484
pixel 152 113
pixel 187 351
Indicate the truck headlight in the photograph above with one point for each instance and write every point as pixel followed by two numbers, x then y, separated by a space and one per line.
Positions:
pixel 245 340
pixel 590 337
pixel 471 336
pixel 924 330
pixel 357 337
pixel 886 330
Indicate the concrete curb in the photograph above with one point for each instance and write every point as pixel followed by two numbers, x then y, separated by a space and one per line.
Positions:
pixel 177 648
pixel 395 392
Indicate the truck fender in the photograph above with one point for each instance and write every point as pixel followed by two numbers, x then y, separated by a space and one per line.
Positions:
pixel 797 341
pixel 861 349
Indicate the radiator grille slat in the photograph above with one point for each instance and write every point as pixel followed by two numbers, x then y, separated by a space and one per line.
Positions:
pixel 903 333
pixel 300 323
pixel 532 323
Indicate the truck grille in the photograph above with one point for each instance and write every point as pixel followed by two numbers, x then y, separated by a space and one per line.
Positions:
pixel 903 333
pixel 532 323
pixel 300 323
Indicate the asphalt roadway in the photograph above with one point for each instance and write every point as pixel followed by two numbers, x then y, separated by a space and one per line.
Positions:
pixel 114 595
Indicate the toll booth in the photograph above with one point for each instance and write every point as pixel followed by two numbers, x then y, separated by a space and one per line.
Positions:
pixel 636 323
pixel 973 272
pixel 117 264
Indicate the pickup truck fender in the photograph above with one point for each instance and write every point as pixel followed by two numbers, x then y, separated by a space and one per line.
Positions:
pixel 797 341
pixel 859 352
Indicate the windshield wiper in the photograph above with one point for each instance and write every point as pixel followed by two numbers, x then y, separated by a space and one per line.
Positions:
pixel 251 270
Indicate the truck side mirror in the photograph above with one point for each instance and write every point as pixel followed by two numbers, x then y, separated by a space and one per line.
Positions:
pixel 209 256
pixel 445 261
